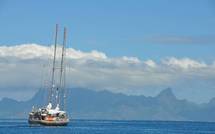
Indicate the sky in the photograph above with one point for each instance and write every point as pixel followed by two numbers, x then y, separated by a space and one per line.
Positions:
pixel 156 32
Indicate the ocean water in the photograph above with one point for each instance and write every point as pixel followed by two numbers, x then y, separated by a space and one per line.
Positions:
pixel 109 127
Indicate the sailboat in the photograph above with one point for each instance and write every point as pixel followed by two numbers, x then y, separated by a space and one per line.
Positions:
pixel 54 113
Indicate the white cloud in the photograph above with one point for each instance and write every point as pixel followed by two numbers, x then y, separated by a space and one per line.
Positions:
pixel 130 59
pixel 21 69
pixel 150 63
pixel 77 54
pixel 25 51
pixel 31 51
pixel 184 63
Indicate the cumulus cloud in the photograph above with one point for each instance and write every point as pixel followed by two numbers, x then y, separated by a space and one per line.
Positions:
pixel 25 68
pixel 184 63
pixel 31 51
pixel 150 63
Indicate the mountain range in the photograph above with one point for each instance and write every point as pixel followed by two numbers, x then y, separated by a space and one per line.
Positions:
pixel 89 104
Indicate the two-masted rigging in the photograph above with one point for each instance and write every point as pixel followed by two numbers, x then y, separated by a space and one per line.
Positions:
pixel 54 113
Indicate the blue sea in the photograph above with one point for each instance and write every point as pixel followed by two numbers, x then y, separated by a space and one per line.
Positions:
pixel 109 127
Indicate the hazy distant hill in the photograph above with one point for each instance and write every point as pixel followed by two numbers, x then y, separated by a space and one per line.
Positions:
pixel 89 104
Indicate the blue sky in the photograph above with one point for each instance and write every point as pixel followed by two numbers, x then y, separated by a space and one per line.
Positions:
pixel 116 27
pixel 152 29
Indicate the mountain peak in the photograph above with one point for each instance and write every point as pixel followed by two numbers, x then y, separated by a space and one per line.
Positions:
pixel 166 93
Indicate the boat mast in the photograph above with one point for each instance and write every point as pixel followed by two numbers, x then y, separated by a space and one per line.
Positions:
pixel 62 66
pixel 64 87
pixel 64 75
pixel 53 68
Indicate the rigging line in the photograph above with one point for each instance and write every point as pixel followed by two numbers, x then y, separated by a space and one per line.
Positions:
pixel 42 88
